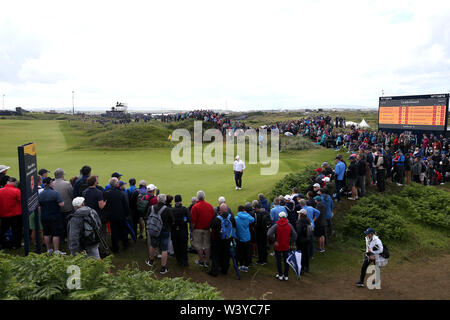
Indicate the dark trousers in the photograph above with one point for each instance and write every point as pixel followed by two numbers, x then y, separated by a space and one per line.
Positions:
pixel 381 180
pixel 373 171
pixel 400 174
pixel 118 233
pixel 416 178
pixel 282 255
pixel 16 225
pixel 179 242
pixel 66 215
pixel 364 267
pixel 304 248
pixel 220 256
pixel 339 186
pixel 261 243
pixel 238 179
pixel 244 251
pixel 135 222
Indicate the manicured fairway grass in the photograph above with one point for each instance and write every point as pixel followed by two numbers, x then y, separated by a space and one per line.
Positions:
pixel 152 165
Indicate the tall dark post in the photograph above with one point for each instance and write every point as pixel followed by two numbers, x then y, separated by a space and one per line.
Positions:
pixel 29 192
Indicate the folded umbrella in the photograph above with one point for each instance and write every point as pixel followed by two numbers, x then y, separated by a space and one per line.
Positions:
pixel 295 261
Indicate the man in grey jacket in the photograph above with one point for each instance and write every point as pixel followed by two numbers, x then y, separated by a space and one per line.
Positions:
pixel 82 227
pixel 64 188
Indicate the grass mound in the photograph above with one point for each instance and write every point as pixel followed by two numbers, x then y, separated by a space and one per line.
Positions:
pixel 153 134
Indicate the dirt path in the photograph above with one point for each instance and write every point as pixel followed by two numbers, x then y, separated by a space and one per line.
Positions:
pixel 425 280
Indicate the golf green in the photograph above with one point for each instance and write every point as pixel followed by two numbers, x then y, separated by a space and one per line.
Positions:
pixel 153 165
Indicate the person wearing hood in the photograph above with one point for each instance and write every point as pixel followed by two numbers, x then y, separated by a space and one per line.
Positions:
pixel 83 228
pixel 284 234
pixel 243 221
pixel 374 247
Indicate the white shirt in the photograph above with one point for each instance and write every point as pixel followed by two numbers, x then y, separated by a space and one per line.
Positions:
pixel 239 165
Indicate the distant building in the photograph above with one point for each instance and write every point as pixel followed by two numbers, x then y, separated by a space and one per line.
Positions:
pixel 19 112
pixel 119 111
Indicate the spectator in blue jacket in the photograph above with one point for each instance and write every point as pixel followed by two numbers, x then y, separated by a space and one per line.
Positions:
pixel 399 162
pixel 243 246
pixel 339 172
pixel 312 214
pixel 274 213
pixel 329 205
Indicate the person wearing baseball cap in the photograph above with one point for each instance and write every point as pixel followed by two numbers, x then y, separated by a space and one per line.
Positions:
pixel 114 175
pixel 122 185
pixel 51 202
pixel 374 247
pixel 79 240
pixel 3 176
pixel 44 174
pixel 316 188
pixel 320 223
pixel 326 169
pixel 284 235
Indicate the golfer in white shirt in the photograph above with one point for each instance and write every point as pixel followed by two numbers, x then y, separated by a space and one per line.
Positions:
pixel 238 167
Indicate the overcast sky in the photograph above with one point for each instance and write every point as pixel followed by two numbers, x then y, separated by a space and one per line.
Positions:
pixel 234 54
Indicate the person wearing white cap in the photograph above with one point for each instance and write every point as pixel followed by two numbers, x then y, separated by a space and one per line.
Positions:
pixel 217 209
pixel 3 176
pixel 83 229
pixel 238 168
pixel 284 234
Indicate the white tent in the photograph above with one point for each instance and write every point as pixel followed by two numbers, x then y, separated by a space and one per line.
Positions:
pixel 364 124
pixel 350 123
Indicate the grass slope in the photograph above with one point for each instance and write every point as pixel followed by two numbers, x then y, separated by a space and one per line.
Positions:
pixel 57 150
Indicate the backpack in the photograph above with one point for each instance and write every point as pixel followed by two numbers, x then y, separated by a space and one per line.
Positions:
pixel 226 227
pixel 385 254
pixel 91 229
pixel 154 222
pixel 142 204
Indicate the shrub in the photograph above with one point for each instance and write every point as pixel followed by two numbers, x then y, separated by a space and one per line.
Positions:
pixel 299 180
pixel 431 205
pixel 39 277
pixel 297 142
pixel 376 213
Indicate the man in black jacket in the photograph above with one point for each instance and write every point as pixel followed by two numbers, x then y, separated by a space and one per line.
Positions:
pixel 179 232
pixel 220 248
pixel 263 223
pixel 117 211
pixel 304 238
pixel 362 170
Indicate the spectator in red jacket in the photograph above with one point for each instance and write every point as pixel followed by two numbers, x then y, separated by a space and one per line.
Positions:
pixel 11 212
pixel 285 235
pixel 202 215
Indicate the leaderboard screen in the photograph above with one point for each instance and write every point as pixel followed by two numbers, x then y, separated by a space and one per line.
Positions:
pixel 425 112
